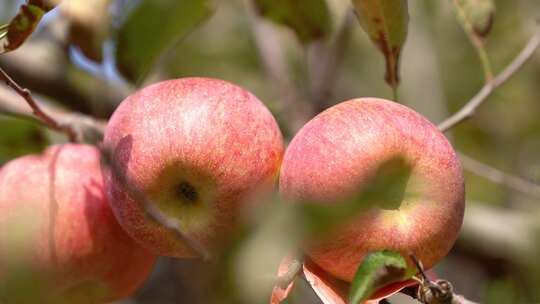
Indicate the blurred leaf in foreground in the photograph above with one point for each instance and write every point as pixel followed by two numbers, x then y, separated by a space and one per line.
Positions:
pixel 151 29
pixel 18 137
pixel 281 228
pixel 386 22
pixel 385 189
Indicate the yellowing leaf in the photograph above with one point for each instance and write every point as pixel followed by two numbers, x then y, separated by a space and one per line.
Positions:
pixel 45 5
pixel 385 21
pixel 15 33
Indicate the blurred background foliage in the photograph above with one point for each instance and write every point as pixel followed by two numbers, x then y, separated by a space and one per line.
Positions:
pixel 71 61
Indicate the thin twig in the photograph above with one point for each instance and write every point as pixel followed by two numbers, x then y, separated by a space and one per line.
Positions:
pixel 89 129
pixel 38 112
pixel 150 208
pixel 499 177
pixel 43 67
pixel 10 111
pixel 470 107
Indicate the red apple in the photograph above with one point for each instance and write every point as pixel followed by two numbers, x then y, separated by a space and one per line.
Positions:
pixel 55 222
pixel 337 152
pixel 197 148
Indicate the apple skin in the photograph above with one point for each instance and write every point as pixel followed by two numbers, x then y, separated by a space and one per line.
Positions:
pixel 75 242
pixel 335 154
pixel 198 148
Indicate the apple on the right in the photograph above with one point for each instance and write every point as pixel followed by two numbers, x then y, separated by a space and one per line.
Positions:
pixel 337 152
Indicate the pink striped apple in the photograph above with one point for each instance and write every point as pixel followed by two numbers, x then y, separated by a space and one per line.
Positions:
pixel 197 148
pixel 337 152
pixel 56 224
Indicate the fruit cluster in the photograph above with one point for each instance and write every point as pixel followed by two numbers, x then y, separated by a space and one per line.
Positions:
pixel 198 149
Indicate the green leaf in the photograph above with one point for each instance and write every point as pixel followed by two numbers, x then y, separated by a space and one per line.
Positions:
pixel 386 22
pixel 476 15
pixel 151 29
pixel 280 228
pixel 309 19
pixel 19 137
pixel 377 270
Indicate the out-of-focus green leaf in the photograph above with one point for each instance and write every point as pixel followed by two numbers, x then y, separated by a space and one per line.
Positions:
pixel 385 190
pixel 386 23
pixel 377 269
pixel 309 19
pixel 13 34
pixel 281 228
pixel 152 28
pixel 257 260
pixel 18 137
pixel 476 15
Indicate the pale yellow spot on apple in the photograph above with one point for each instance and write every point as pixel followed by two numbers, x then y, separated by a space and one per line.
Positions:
pixel 397 218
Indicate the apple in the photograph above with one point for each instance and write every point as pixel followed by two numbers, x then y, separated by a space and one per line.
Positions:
pixel 197 148
pixel 337 152
pixel 56 223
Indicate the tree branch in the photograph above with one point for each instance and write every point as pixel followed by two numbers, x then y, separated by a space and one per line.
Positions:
pixel 470 107
pixel 500 177
pixel 43 65
pixel 88 129
pixel 38 112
